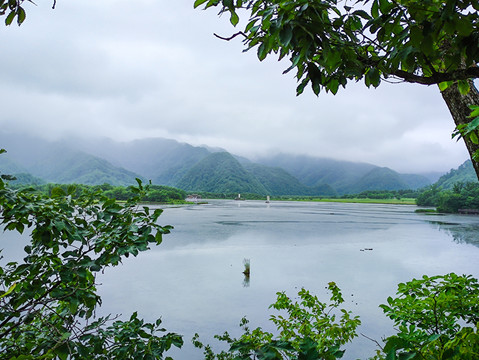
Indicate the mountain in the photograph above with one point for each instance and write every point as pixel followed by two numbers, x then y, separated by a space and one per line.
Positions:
pixel 26 179
pixel 221 173
pixel 278 181
pixel 168 162
pixel 380 178
pixel 464 173
pixel 415 181
pixel 59 163
pixel 163 161
pixel 344 176
pixel 9 166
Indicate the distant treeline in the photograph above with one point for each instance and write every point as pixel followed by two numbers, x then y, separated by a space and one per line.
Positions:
pixel 461 196
pixel 384 194
pixel 214 195
pixel 370 194
pixel 155 193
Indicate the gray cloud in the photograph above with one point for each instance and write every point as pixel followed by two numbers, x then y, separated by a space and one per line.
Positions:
pixel 147 68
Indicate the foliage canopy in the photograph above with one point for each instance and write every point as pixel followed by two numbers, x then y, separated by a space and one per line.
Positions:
pixel 48 302
pixel 332 42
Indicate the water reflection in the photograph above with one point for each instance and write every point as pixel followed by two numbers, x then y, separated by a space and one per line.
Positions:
pixel 460 233
pixel 246 272
pixel 194 280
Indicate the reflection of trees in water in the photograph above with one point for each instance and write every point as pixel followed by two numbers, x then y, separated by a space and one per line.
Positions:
pixel 460 233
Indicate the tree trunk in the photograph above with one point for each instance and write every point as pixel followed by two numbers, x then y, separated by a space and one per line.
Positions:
pixel 459 108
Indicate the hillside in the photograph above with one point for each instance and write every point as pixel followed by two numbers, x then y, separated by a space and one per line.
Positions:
pixel 380 178
pixel 26 179
pixel 168 162
pixel 464 173
pixel 279 182
pixel 222 173
pixel 90 170
pixel 343 176
pixel 414 181
pixel 9 166
pixel 58 163
pixel 163 161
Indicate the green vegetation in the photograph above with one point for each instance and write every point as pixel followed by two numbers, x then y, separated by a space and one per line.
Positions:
pixel 168 162
pixel 278 181
pixel 458 189
pixel 343 176
pixel 220 172
pixel 462 196
pixel 403 201
pixel 437 318
pixel 49 300
pixel 154 193
pixel 463 174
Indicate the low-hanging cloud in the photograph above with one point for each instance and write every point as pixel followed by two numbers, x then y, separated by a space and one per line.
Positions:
pixel 153 68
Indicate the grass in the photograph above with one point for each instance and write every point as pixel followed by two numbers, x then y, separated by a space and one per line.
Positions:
pixel 427 211
pixel 405 201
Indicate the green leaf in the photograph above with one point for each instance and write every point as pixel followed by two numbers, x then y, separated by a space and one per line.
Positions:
pixel 427 46
pixel 10 18
pixel 385 6
pixel 464 27
pixel 262 51
pixel 473 125
pixel 234 18
pixel 463 86
pixel 285 35
pixel 473 137
pixel 10 289
pixel 228 3
pixel 474 111
pixel 198 3
pixel 375 9
pixel 21 16
pixel 444 85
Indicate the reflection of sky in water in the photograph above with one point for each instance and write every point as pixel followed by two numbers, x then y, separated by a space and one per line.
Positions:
pixel 194 279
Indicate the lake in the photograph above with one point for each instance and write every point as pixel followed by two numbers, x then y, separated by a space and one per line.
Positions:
pixel 194 279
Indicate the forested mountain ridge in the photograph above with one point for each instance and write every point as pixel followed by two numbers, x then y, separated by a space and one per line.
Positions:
pixel 58 163
pixel 278 181
pixel 463 174
pixel 163 161
pixel 168 162
pixel 345 177
pixel 222 173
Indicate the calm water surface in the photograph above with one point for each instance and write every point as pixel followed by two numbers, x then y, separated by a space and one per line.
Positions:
pixel 194 279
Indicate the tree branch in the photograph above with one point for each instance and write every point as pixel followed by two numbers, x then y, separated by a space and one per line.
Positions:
pixel 436 78
pixel 231 37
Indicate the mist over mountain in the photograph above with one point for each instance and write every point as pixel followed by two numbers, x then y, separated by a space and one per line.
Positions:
pixel 163 161
pixel 193 168
pixel 345 177
pixel 59 163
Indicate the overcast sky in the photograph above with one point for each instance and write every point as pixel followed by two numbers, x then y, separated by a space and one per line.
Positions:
pixel 152 68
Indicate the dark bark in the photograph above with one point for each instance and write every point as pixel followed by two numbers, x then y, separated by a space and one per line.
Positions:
pixel 438 77
pixel 459 107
